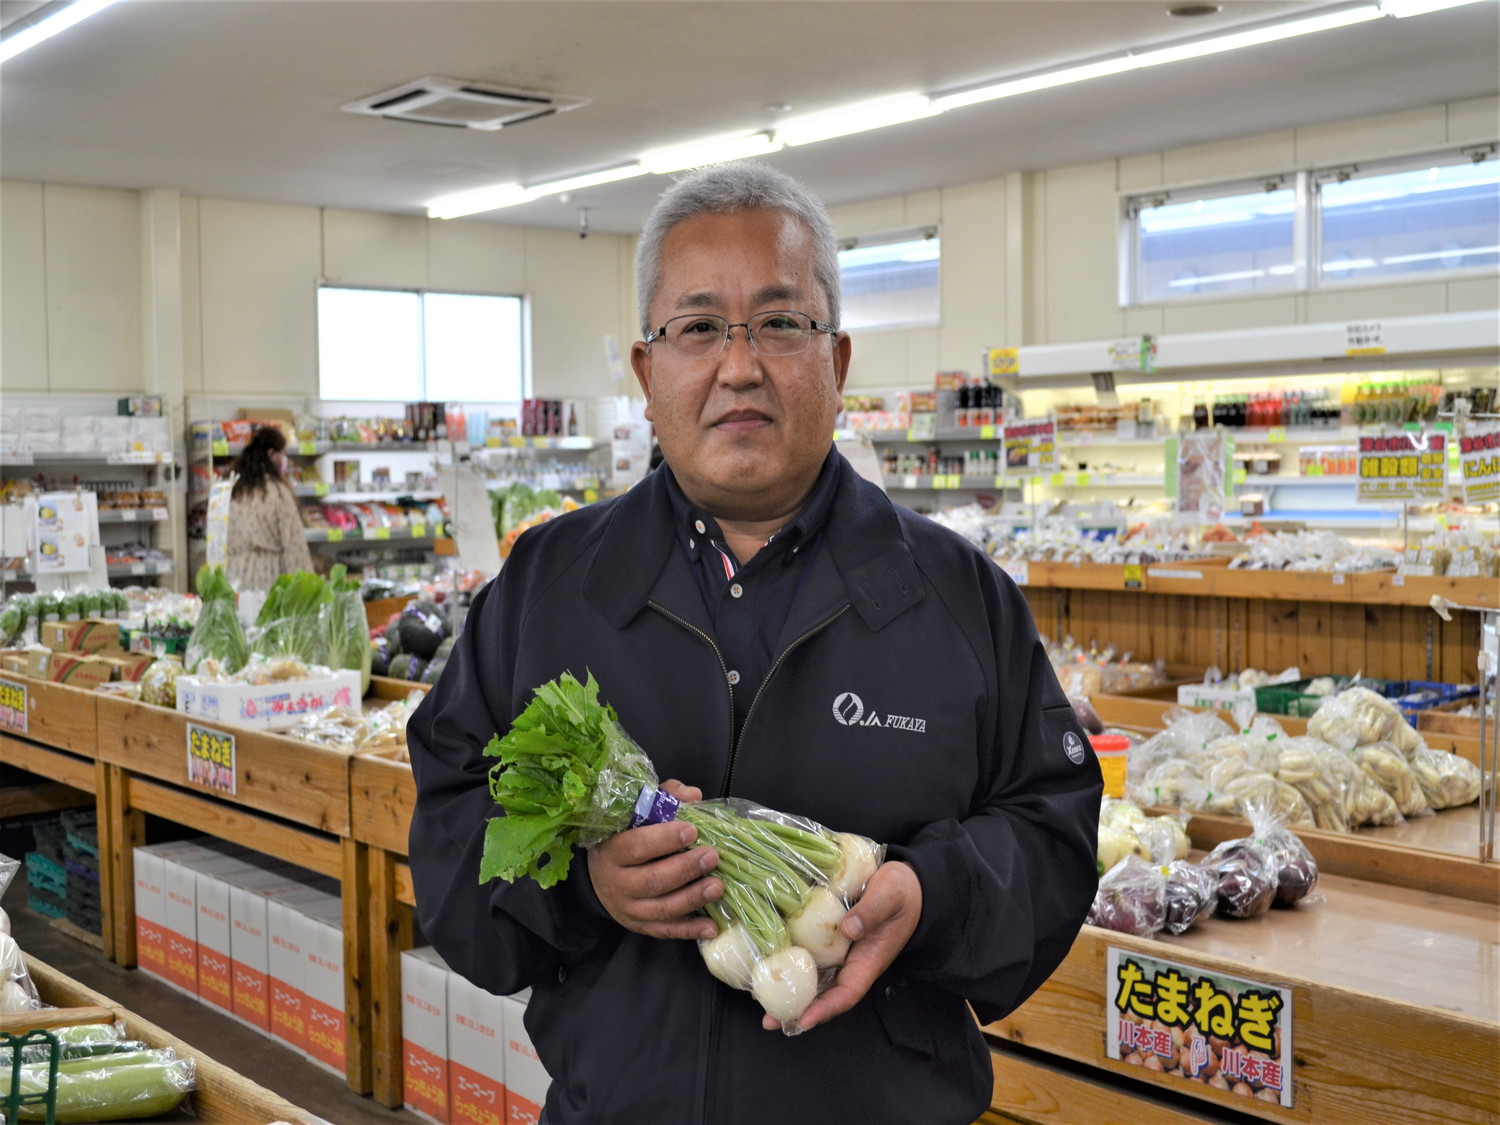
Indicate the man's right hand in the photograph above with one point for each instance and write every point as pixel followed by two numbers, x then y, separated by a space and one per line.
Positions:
pixel 650 884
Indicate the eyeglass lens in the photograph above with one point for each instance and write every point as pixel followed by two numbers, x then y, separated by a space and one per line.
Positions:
pixel 771 333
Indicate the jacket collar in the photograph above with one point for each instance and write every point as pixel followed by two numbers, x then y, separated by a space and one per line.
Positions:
pixel 864 544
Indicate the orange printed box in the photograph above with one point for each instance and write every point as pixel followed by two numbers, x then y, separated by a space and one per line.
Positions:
pixel 476 1055
pixel 424 1033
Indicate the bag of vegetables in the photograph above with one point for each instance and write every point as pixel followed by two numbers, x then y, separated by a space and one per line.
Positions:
pixel 290 622
pixel 346 639
pixel 568 774
pixel 218 634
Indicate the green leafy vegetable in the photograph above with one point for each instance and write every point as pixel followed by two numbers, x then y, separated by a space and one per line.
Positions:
pixel 218 634
pixel 290 622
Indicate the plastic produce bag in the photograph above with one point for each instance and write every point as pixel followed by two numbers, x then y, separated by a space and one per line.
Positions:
pixel 1132 898
pixel 159 683
pixel 17 992
pixel 1246 878
pixel 1446 779
pixel 218 634
pixel 1355 716
pixel 1192 892
pixel 150 1084
pixel 347 631
pixel 569 775
pixel 1385 765
pixel 1304 763
pixel 1175 782
pixel 1365 802
pixel 1296 870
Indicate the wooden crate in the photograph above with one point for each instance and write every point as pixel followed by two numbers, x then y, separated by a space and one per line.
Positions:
pixel 222 1097
pixel 1390 588
pixel 288 778
pixel 1441 720
pixel 57 715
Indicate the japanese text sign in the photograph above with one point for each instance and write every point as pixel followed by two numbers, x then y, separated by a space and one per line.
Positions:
pixel 1030 448
pixel 1479 464
pixel 1402 465
pixel 1200 1027
pixel 12 706
pixel 210 758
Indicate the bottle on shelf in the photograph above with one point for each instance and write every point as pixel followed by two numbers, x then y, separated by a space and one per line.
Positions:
pixel 1200 413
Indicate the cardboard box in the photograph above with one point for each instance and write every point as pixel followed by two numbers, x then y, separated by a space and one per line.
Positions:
pixel 323 985
pixel 91 635
pixel 68 668
pixel 526 1079
pixel 129 666
pixel 150 902
pixel 180 916
pixel 215 971
pixel 266 706
pixel 249 940
pixel 424 1033
pixel 286 925
pixel 274 415
pixel 15 663
pixel 476 1055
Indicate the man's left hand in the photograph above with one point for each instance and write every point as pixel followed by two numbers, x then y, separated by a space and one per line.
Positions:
pixel 878 927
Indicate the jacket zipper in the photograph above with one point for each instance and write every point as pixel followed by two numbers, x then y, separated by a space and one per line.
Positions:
pixel 712 1016
pixel 734 753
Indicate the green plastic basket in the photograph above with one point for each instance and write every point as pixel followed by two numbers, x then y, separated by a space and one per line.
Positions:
pixel 12 1098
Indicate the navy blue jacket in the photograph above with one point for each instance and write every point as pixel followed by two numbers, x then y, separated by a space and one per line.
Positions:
pixel 910 701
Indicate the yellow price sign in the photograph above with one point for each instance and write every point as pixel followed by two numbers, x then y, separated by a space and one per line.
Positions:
pixel 335 535
pixel 1083 480
pixel 517 443
pixel 1134 576
pixel 492 443
pixel 381 533
pixel 987 433
pixel 590 495
pixel 419 531
pixel 1276 435
pixel 320 489
pixel 309 448
pixel 221 449
pixel 1056 480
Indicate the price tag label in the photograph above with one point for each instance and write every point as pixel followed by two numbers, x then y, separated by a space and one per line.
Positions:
pixel 13 706
pixel 210 758
pixel 158 514
pixel 1019 571
pixel 220 449
pixel 1134 576
pixel 380 533
pixel 517 443
pixel 1056 480
pixel 909 481
pixel 544 443
pixel 1083 480
pixel 1338 579
pixel 309 448
pixel 987 433
pixel 320 489
pixel 999 482
pixel 1239 476
pixel 419 531
pixel 1398 580
pixel 1276 435
pixel 335 535
pixel 492 443
pixel 940 481
pixel 137 568
pixel 590 495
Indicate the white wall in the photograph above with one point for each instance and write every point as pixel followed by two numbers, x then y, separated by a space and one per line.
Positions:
pixel 1030 258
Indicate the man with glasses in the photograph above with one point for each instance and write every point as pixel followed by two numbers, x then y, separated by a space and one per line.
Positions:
pixel 769 626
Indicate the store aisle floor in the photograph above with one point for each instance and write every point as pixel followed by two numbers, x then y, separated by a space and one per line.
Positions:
pixel 260 1059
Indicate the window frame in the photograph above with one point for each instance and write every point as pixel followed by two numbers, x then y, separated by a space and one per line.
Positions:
pixel 927 232
pixel 523 310
pixel 1307 228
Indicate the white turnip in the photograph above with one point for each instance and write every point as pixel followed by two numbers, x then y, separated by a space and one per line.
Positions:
pixel 785 982
pixel 858 859
pixel 731 956
pixel 816 928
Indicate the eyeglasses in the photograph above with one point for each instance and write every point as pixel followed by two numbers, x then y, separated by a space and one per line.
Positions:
pixel 704 335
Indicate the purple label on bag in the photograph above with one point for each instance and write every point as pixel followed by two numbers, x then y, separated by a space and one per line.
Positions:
pixel 654 806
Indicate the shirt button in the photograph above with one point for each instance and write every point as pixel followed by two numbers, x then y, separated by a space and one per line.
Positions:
pixel 890 992
pixel 699 525
pixel 733 678
pixel 736 590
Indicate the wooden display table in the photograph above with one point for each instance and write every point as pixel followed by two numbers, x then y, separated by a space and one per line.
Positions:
pixel 221 1096
pixel 289 799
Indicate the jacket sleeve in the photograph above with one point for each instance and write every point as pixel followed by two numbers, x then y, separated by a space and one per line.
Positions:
pixel 503 937
pixel 1006 889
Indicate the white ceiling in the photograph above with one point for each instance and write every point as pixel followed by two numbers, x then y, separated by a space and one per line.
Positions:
pixel 240 98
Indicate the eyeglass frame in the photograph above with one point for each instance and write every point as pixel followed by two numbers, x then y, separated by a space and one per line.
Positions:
pixel 817 326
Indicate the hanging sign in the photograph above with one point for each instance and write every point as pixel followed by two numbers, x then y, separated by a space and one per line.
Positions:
pixel 1479 464
pixel 1403 465
pixel 1138 353
pixel 1004 361
pixel 64 531
pixel 210 759
pixel 1364 337
pixel 1199 1025
pixel 12 706
pixel 1197 474
pixel 217 530
pixel 1030 447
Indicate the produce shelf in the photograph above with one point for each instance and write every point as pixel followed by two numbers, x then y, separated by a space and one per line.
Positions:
pixel 323 491
pixel 133 515
pixel 371 535
pixel 137 569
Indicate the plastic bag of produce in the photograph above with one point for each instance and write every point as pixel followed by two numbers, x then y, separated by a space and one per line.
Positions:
pixel 290 622
pixel 569 775
pixel 1365 802
pixel 1192 892
pixel 159 683
pixel 1132 898
pixel 1232 781
pixel 1384 764
pixel 1355 716
pixel 1446 779
pixel 1175 782
pixel 131 1086
pixel 218 634
pixel 1246 877
pixel 1296 870
pixel 1306 765
pixel 346 639
pixel 17 992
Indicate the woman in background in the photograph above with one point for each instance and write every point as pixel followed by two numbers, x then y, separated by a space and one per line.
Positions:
pixel 265 529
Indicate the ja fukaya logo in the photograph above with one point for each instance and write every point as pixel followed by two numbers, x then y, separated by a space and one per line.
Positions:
pixel 849 711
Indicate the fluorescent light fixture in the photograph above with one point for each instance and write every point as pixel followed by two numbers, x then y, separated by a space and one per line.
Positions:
pixel 1435 255
pixel 714 150
pixel 1403 8
pixel 857 118
pixel 473 202
pixel 588 179
pixel 1195 49
pixel 44 29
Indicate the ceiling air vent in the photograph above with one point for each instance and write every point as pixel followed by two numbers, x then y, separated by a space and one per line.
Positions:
pixel 460 104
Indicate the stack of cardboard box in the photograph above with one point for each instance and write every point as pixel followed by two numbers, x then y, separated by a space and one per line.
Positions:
pixel 82 654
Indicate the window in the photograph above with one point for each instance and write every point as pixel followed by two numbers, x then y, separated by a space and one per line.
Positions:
pixel 891 281
pixel 1209 243
pixel 1411 221
pixel 1421 217
pixel 393 345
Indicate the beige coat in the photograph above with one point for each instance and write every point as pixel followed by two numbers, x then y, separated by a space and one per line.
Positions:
pixel 265 538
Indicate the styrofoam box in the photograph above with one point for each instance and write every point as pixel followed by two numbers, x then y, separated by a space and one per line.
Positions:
pixel 1212 695
pixel 526 1079
pixel 266 706
pixel 424 1033
pixel 476 1055
pixel 323 986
